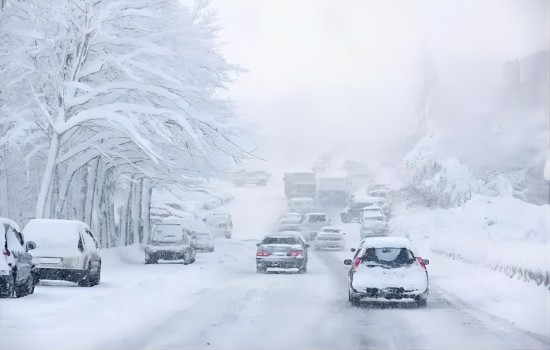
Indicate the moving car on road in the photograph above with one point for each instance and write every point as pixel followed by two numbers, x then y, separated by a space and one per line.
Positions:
pixel 330 238
pixel 16 269
pixel 170 241
pixel 220 223
pixel 66 250
pixel 374 223
pixel 387 269
pixel 284 250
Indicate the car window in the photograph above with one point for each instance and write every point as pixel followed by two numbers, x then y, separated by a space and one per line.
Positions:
pixel 280 240
pixel 96 243
pixel 388 256
pixel 89 242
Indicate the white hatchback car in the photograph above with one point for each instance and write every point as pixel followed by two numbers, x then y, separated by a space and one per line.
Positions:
pixel 65 250
pixel 387 269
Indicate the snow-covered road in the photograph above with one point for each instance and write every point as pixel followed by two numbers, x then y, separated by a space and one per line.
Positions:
pixel 220 302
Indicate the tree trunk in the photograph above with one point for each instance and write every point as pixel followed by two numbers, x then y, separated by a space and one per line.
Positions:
pixel 47 177
pixel 147 190
pixel 90 191
pixel 136 210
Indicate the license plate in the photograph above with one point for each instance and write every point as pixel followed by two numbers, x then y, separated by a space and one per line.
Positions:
pixel 50 261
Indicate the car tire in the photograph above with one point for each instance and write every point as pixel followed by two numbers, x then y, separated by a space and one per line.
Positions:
pixel 95 279
pixel 422 303
pixel 25 288
pixel 261 269
pixel 353 299
pixel 345 218
pixel 302 269
pixel 86 280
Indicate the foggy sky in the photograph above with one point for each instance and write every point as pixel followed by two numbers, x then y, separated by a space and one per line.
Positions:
pixel 348 75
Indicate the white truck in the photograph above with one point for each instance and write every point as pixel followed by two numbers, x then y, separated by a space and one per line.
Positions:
pixel 299 184
pixel 332 190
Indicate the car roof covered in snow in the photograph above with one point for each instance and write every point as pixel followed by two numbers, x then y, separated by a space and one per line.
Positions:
pixel 387 242
pixel 367 199
pixel 10 222
pixel 330 230
pixel 192 224
pixel 53 230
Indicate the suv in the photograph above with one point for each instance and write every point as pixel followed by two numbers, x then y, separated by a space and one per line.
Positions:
pixel 66 250
pixel 16 269
pixel 387 269
pixel 313 223
pixel 170 241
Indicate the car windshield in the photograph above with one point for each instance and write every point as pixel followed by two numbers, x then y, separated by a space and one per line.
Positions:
pixel 388 256
pixel 329 237
pixel 317 218
pixel 281 240
pixel 167 234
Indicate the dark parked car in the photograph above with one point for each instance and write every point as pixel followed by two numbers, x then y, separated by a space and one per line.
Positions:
pixel 16 268
pixel 170 241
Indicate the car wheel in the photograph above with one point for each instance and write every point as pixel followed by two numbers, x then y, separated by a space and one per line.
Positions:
pixel 25 288
pixel 261 269
pixel 302 269
pixel 345 218
pixel 6 287
pixel 422 303
pixel 353 299
pixel 86 280
pixel 96 278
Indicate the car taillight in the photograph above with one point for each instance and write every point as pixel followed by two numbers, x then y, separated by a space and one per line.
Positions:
pixel 80 246
pixel 357 262
pixel 421 262
pixel 263 253
pixel 295 253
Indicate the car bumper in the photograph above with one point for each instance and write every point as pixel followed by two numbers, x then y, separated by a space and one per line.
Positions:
pixel 389 294
pixel 71 275
pixel 329 246
pixel 165 254
pixel 280 263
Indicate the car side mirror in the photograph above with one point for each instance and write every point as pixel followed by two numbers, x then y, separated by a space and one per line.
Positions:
pixel 426 261
pixel 343 233
pixel 258 244
pixel 353 250
pixel 307 245
pixel 30 245
pixel 347 262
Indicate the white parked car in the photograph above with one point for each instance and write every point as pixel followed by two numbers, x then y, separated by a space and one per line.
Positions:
pixel 220 223
pixel 330 238
pixel 65 250
pixel 170 241
pixel 387 269
pixel 199 231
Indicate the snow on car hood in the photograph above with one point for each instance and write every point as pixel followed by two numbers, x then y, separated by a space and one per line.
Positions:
pixel 409 277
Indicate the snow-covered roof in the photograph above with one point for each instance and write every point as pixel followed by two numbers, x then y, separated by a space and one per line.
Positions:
pixel 331 228
pixel 10 222
pixel 53 231
pixel 387 242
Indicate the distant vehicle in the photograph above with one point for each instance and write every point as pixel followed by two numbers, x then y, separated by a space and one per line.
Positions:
pixel 373 224
pixel 300 184
pixel 301 205
pixel 285 251
pixel 199 231
pixel 16 268
pixel 332 190
pixel 313 223
pixel 290 221
pixel 244 177
pixel 292 227
pixel 170 241
pixel 372 212
pixel 220 223
pixel 387 269
pixel 66 250
pixel 330 238
pixel 292 216
pixel 357 203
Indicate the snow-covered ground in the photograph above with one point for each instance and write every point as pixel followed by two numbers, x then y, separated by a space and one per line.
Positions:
pixel 220 301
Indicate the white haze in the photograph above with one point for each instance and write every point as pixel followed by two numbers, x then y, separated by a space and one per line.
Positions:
pixel 348 76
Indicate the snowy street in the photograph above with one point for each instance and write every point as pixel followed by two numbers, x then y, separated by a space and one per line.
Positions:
pixel 220 302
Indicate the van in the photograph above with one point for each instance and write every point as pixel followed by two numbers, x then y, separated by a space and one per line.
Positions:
pixel 66 250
